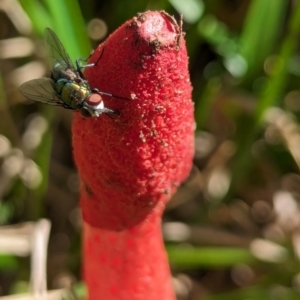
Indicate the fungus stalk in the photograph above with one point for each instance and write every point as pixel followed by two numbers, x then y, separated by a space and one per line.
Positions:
pixel 132 163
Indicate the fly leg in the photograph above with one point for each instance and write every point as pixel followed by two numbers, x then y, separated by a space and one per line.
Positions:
pixel 79 66
pixel 111 113
pixel 107 94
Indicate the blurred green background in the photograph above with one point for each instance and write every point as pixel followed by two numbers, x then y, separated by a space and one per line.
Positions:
pixel 233 229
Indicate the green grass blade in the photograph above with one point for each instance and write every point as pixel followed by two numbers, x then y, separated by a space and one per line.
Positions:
pixel 204 104
pixel 38 15
pixel 65 18
pixel 270 95
pixel 277 82
pixel 69 26
pixel 207 257
pixel 42 158
pixel 258 293
pixel 8 262
pixel 262 26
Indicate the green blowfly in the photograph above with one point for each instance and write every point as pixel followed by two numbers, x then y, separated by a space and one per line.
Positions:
pixel 66 86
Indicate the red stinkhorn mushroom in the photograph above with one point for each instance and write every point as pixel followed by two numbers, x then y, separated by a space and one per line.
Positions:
pixel 131 164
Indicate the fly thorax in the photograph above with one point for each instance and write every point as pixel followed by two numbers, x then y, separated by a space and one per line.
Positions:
pixel 60 66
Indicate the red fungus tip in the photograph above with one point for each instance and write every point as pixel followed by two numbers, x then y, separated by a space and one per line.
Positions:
pixel 93 99
pixel 136 161
pixel 159 28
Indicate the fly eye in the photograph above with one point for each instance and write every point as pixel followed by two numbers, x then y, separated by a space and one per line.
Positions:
pixel 93 99
pixel 84 113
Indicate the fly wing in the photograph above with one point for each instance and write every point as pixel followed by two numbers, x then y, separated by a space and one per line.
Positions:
pixel 58 56
pixel 41 90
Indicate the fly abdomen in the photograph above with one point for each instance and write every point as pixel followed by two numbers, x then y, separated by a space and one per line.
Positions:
pixel 72 93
